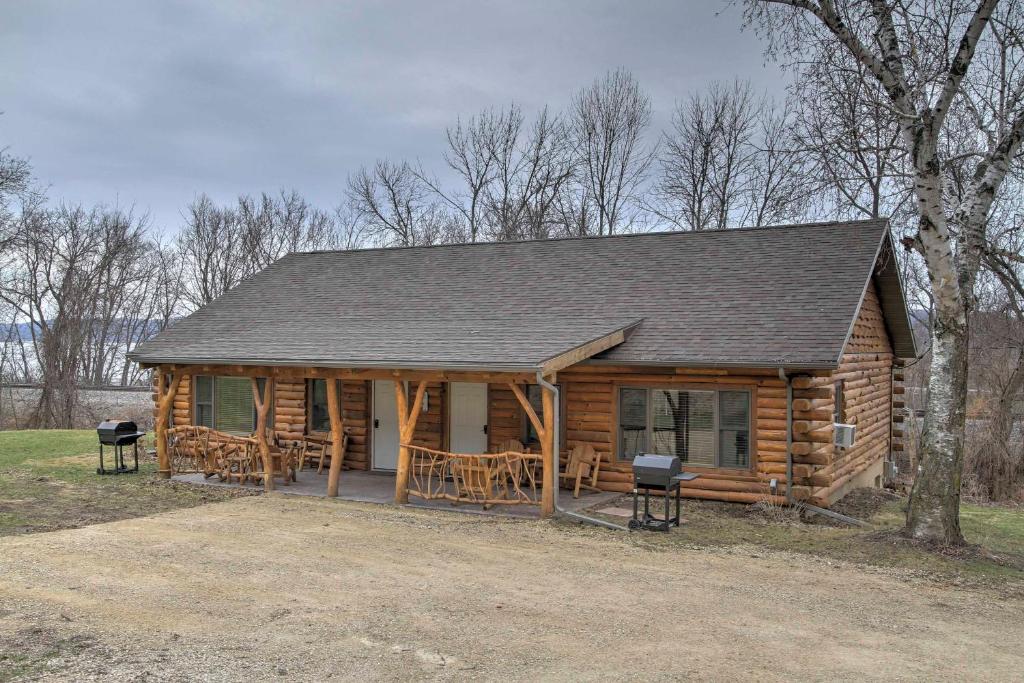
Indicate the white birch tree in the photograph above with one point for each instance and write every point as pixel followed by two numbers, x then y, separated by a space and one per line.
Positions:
pixel 928 58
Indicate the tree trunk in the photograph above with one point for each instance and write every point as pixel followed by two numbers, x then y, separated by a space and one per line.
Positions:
pixel 933 513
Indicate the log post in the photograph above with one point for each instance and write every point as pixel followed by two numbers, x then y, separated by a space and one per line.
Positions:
pixel 406 427
pixel 547 501
pixel 262 410
pixel 164 405
pixel 334 398
pixel 546 433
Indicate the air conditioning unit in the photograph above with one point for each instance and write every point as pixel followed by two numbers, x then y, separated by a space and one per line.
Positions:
pixel 844 435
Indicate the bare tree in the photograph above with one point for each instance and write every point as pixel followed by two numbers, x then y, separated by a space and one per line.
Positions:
pixel 221 246
pixel 531 166
pixel 61 264
pixel 397 208
pixel 928 58
pixel 274 226
pixel 470 154
pixel 351 232
pixel 608 121
pixel 730 160
pixel 511 173
pixel 212 252
pixel 844 122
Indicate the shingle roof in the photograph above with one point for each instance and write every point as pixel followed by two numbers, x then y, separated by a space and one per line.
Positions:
pixel 749 297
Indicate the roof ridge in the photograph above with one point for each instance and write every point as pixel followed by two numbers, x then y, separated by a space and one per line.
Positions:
pixel 584 238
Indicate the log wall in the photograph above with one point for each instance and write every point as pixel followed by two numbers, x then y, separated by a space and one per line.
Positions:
pixel 590 394
pixel 181 413
pixel 821 472
pixel 866 372
pixel 430 431
pixel 291 408
pixel 505 417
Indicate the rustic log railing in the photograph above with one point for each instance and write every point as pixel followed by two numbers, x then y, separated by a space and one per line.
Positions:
pixel 507 478
pixel 196 449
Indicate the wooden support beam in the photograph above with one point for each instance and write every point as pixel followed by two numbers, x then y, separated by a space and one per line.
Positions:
pixel 406 428
pixel 165 402
pixel 546 433
pixel 262 411
pixel 550 474
pixel 588 350
pixel 531 415
pixel 334 399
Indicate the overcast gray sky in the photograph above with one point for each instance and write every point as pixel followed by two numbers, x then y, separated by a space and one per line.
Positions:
pixel 150 103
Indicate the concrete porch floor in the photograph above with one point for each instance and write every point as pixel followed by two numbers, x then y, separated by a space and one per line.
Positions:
pixel 379 487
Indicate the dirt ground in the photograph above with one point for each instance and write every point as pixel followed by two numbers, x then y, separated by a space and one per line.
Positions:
pixel 278 588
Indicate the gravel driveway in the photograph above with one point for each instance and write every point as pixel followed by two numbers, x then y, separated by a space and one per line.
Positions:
pixel 274 587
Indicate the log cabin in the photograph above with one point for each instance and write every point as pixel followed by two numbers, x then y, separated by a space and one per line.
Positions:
pixel 735 350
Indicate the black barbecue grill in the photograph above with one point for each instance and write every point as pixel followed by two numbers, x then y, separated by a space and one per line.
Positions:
pixel 119 433
pixel 657 473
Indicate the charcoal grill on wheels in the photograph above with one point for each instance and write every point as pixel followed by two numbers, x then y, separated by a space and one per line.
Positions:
pixel 657 473
pixel 119 433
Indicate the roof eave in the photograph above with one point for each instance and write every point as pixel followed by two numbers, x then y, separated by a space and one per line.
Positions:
pixel 453 366
pixel 684 363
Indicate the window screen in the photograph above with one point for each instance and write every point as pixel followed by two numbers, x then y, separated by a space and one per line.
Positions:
pixel 233 411
pixel 683 424
pixel 319 418
pixel 702 428
pixel 534 394
pixel 839 403
pixel 632 422
pixel 733 429
pixel 204 401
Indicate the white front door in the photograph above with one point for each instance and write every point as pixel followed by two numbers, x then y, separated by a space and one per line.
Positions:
pixel 467 421
pixel 385 426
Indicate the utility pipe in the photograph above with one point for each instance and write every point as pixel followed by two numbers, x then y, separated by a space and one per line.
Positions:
pixel 789 433
pixel 555 457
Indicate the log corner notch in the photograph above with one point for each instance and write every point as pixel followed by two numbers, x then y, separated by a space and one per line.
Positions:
pixel 262 411
pixel 545 429
pixel 334 399
pixel 164 405
pixel 406 428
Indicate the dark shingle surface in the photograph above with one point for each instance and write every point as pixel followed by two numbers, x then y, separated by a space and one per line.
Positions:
pixel 759 297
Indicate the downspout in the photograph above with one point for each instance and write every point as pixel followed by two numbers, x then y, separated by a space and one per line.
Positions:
pixel 555 457
pixel 789 433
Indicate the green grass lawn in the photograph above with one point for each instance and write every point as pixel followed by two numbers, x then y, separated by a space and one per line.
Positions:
pixel 996 556
pixel 48 481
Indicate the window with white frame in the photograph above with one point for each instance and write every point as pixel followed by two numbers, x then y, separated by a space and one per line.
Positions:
pixel 706 428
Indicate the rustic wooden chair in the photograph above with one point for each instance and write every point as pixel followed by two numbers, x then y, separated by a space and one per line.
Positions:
pixel 189 450
pixel 584 463
pixel 236 462
pixel 515 468
pixel 327 451
pixel 283 459
pixel 476 479
pixel 312 451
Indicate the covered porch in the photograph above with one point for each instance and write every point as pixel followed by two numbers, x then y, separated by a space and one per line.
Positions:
pixel 440 435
